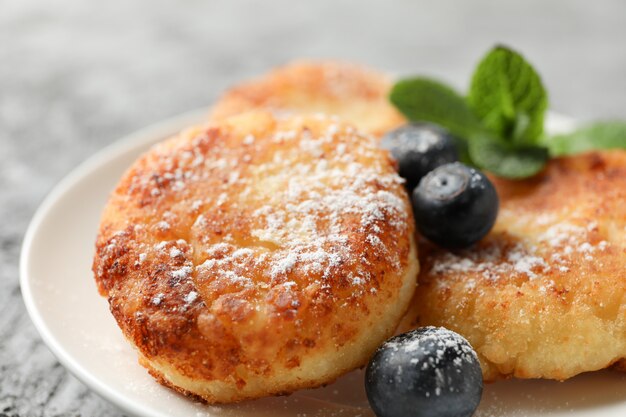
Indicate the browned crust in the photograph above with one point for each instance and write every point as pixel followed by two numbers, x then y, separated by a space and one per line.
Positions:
pixel 354 93
pixel 202 285
pixel 213 399
pixel 530 319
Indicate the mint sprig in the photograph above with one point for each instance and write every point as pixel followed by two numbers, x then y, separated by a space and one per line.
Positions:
pixel 506 159
pixel 425 99
pixel 508 97
pixel 499 126
pixel 500 123
pixel 599 135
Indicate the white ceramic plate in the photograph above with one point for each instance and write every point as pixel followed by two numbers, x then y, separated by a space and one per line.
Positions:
pixel 74 321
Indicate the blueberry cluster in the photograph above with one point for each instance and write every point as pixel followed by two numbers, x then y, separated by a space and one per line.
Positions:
pixel 454 205
pixel 433 372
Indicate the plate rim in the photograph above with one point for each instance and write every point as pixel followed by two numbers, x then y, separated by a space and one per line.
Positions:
pixel 126 143
pixel 117 148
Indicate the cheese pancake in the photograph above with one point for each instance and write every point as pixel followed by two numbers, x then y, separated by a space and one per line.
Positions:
pixel 257 256
pixel 356 94
pixel 544 294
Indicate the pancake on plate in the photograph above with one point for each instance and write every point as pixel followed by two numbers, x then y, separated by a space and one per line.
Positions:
pixel 356 94
pixel 544 294
pixel 257 256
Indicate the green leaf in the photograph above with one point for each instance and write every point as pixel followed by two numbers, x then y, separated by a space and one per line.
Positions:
pixel 506 159
pixel 599 135
pixel 507 95
pixel 462 148
pixel 424 99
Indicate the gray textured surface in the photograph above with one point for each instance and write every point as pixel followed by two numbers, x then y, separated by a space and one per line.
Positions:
pixel 76 75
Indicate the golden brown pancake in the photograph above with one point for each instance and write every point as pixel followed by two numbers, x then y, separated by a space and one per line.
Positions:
pixel 257 256
pixel 532 305
pixel 544 294
pixel 356 94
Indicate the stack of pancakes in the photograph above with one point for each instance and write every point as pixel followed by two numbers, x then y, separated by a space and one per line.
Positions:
pixel 274 249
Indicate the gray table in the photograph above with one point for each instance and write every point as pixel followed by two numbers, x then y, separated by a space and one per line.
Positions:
pixel 76 75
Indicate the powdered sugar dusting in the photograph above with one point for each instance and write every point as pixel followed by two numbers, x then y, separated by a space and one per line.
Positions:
pixel 492 262
pixel 175 252
pixel 555 249
pixel 317 195
pixel 310 196
pixel 332 192
pixel 191 297
pixel 181 273
pixel 156 300
pixel 430 349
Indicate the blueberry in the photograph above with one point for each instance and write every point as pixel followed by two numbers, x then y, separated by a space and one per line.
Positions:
pixel 419 148
pixel 428 372
pixel 455 206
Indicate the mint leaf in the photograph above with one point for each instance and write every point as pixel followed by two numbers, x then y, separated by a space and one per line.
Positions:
pixel 499 126
pixel 599 135
pixel 462 148
pixel 507 95
pixel 424 99
pixel 506 159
